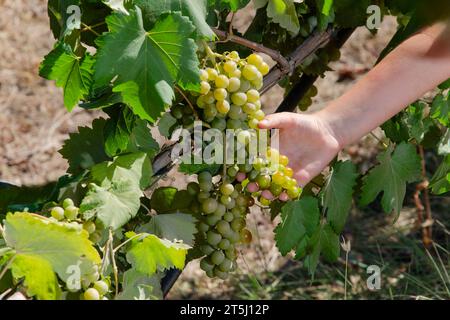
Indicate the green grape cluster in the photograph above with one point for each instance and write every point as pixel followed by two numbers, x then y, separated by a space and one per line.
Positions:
pixel 229 96
pixel 68 212
pixel 267 180
pixel 229 99
pixel 223 208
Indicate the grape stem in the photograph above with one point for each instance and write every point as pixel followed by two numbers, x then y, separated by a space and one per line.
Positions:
pixel 6 267
pixel 113 260
pixel 284 64
pixel 188 101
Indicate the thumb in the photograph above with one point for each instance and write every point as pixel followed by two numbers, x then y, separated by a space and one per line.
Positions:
pixel 276 121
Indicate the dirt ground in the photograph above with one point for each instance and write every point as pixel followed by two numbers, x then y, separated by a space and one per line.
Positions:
pixel 34 123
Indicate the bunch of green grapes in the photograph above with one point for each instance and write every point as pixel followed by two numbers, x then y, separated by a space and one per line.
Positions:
pixel 229 96
pixel 267 180
pixel 68 212
pixel 223 208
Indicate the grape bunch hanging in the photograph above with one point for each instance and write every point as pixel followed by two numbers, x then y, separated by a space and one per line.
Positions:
pixel 229 98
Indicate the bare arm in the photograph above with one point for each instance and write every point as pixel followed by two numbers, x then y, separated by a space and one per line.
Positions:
pixel 415 67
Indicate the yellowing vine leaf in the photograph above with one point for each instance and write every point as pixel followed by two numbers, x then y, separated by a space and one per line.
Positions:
pixel 44 247
pixel 149 254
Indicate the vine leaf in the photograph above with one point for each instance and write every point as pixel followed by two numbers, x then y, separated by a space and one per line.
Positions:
pixel 118 130
pixel 195 10
pixel 166 124
pixel 440 109
pixel 133 167
pixel 397 167
pixel 147 64
pixel 141 140
pixel 72 73
pixel 112 203
pixel 298 219
pixel 323 242
pixel 440 183
pixel 337 194
pixel 150 254
pixel 283 12
pixel 85 148
pixel 173 227
pixel 139 286
pixel 43 248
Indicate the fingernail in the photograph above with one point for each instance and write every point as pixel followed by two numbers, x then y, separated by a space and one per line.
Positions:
pixel 263 123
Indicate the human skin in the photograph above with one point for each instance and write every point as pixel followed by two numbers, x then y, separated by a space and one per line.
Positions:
pixel 311 141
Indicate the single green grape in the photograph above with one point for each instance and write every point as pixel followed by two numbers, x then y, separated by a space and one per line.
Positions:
pixel 255 59
pixel 102 287
pixel 239 98
pixel 222 81
pixel 89 226
pixel 217 257
pixel 252 96
pixel 220 94
pixel 250 72
pixel 234 84
pixel 209 205
pixel 71 212
pixel 213 238
pixel 223 227
pixel 206 265
pixel 206 249
pixel 91 294
pixel 67 203
pixel 57 213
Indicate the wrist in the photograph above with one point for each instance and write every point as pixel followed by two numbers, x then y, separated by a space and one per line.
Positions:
pixel 333 125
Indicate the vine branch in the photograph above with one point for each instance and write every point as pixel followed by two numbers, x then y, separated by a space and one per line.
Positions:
pixel 274 54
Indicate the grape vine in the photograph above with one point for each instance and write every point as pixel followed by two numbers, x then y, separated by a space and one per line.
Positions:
pixel 108 230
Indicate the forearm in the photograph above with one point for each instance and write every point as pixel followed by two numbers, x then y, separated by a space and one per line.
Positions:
pixel 415 67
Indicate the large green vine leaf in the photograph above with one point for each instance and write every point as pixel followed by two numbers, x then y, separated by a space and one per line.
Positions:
pixel 397 167
pixel 337 194
pixel 298 220
pixel 72 73
pixel 149 254
pixel 44 247
pixel 112 203
pixel 195 10
pixel 147 64
pixel 85 148
pixel 323 242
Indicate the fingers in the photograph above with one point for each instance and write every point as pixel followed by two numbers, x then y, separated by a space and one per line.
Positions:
pixel 303 177
pixel 276 121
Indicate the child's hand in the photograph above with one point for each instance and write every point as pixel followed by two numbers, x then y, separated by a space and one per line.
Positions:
pixel 307 140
